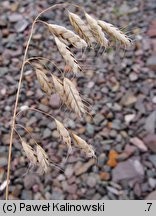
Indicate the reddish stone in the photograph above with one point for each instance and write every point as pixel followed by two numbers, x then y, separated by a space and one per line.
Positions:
pixel 152 29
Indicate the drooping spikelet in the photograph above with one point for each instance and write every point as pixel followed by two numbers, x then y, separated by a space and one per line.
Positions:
pixel 68 56
pixel 115 33
pixel 58 85
pixel 82 144
pixel 67 36
pixel 81 28
pixel 30 153
pixel 42 159
pixel 97 31
pixel 44 81
pixel 73 99
pixel 64 134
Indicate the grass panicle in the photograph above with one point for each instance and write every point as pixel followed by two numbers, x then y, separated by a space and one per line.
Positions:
pixel 88 32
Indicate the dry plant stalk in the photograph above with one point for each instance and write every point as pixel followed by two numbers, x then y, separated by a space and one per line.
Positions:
pixel 87 34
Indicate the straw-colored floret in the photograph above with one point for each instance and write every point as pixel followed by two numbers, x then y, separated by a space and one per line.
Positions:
pixel 64 134
pixel 82 144
pixel 30 153
pixel 81 28
pixel 115 33
pixel 58 85
pixel 96 31
pixel 68 56
pixel 42 159
pixel 67 36
pixel 73 99
pixel 44 81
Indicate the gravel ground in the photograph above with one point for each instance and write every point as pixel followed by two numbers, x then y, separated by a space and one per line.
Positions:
pixel 118 83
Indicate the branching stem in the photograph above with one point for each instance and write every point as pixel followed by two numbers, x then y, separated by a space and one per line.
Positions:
pixel 18 93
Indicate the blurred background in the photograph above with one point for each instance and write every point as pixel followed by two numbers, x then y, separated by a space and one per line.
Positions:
pixel 120 86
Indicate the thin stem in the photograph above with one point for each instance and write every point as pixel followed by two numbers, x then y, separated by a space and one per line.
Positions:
pixel 18 134
pixel 19 125
pixel 41 21
pixel 37 110
pixel 17 96
pixel 15 110
pixel 40 57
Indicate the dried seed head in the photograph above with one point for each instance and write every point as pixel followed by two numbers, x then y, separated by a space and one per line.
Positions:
pixel 73 99
pixel 67 55
pixel 58 85
pixel 44 81
pixel 30 153
pixel 64 134
pixel 88 149
pixel 97 31
pixel 42 159
pixel 115 33
pixel 81 28
pixel 67 36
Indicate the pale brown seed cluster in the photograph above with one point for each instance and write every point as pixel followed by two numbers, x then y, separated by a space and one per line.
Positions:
pixel 73 99
pixel 67 36
pixel 96 31
pixel 89 32
pixel 46 85
pixel 36 157
pixel 115 33
pixel 81 28
pixel 68 56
